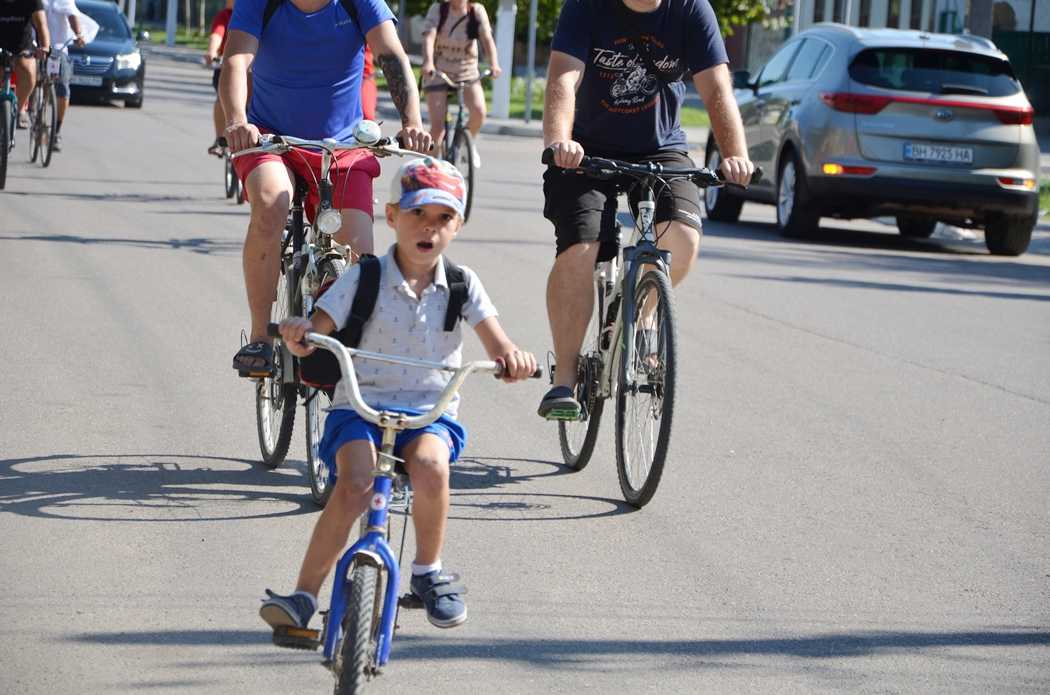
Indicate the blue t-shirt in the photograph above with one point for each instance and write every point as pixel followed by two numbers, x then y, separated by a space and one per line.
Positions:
pixel 621 107
pixel 306 77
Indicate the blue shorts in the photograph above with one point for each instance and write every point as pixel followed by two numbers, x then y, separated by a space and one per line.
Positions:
pixel 344 425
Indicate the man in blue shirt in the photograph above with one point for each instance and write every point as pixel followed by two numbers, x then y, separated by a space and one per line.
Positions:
pixel 615 89
pixel 306 59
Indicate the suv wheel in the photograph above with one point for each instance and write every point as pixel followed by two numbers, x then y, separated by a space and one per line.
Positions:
pixel 916 227
pixel 1006 235
pixel 718 203
pixel 795 216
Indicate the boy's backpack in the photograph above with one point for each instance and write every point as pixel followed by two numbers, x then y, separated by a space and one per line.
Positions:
pixel 472 19
pixel 321 369
pixel 272 5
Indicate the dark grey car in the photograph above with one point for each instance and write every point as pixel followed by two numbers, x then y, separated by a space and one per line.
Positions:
pixel 869 122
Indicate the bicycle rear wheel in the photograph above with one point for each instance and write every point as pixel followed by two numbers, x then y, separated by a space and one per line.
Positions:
pixel 49 121
pixel 645 395
pixel 317 403
pixel 577 437
pixel 5 137
pixel 462 157
pixel 360 624
pixel 275 395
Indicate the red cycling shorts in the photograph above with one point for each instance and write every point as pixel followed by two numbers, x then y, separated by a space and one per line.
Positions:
pixel 352 174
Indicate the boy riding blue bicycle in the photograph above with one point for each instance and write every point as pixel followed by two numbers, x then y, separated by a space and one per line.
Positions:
pixel 409 319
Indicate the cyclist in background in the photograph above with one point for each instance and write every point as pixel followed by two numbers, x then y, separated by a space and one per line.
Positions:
pixel 369 91
pixel 452 31
pixel 66 24
pixel 597 102
pixel 18 20
pixel 216 43
pixel 309 89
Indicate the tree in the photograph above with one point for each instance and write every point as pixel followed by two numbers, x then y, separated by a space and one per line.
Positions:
pixel 730 13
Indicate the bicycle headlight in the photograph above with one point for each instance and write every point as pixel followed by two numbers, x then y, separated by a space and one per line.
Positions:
pixel 129 61
pixel 329 222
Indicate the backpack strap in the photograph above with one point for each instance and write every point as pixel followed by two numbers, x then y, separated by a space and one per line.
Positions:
pixel 272 5
pixel 472 19
pixel 457 293
pixel 364 301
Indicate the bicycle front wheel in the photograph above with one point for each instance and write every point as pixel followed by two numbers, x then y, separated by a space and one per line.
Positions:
pixel 462 157
pixel 230 176
pixel 358 651
pixel 577 437
pixel 35 123
pixel 48 123
pixel 646 389
pixel 5 137
pixel 317 404
pixel 275 395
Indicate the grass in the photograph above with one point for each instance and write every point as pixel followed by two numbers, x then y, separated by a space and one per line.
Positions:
pixel 691 117
pixel 182 38
pixel 1044 198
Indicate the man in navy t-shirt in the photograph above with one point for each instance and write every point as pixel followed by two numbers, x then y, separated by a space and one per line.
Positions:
pixel 307 62
pixel 605 97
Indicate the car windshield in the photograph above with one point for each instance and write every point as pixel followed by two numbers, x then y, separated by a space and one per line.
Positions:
pixel 111 24
pixel 934 71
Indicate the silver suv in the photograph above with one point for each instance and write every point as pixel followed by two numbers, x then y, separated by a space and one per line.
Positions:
pixel 869 122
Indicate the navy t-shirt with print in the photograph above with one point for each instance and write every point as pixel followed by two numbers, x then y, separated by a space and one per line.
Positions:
pixel 621 107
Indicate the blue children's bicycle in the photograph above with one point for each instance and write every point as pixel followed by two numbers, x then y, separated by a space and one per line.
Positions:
pixel 362 615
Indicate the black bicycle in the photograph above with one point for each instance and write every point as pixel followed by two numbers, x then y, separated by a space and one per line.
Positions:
pixel 43 107
pixel 310 260
pixel 631 347
pixel 457 146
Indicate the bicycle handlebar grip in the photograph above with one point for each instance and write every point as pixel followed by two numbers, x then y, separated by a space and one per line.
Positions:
pixel 548 156
pixel 273 330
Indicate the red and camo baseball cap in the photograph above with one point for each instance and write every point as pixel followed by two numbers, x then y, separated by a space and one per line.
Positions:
pixel 428 180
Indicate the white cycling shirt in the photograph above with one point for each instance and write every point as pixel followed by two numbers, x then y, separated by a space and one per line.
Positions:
pixel 58 13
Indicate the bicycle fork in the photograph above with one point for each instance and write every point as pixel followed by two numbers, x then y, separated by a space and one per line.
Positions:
pixel 371 549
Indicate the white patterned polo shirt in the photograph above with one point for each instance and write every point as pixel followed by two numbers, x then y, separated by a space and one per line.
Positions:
pixel 405 326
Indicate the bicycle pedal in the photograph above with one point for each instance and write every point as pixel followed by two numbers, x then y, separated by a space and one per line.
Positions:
pixel 296 637
pixel 410 600
pixel 570 415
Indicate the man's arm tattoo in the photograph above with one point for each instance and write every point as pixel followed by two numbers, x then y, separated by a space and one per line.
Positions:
pixel 396 80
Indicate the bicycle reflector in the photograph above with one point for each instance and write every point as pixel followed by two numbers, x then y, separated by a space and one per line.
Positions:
pixel 329 221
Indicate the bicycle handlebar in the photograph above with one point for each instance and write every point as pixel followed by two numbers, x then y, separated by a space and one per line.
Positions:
pixel 603 167
pixel 456 85
pixel 279 144
pixel 344 356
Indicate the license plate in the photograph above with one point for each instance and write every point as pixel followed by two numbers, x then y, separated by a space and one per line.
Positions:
pixel 86 80
pixel 938 153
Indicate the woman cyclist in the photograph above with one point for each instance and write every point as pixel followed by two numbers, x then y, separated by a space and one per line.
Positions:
pixel 452 31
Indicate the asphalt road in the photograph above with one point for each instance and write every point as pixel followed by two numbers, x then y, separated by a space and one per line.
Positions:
pixel 856 501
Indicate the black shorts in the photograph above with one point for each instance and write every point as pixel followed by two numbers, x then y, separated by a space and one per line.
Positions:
pixel 584 209
pixel 215 78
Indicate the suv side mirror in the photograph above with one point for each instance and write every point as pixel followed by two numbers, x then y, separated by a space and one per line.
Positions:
pixel 742 80
pixel 143 35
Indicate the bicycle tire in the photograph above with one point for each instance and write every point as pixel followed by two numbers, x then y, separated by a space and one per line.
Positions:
pixel 577 439
pixel 229 176
pixel 639 478
pixel 357 651
pixel 5 137
pixel 275 400
pixel 50 119
pixel 239 185
pixel 462 157
pixel 35 123
pixel 316 403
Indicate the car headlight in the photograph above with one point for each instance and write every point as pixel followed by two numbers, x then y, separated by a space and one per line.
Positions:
pixel 129 61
